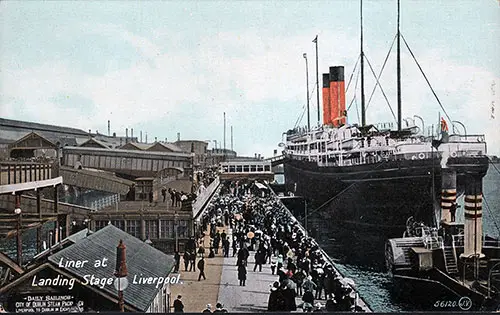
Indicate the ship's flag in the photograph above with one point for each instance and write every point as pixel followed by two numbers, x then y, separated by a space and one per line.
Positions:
pixel 444 125
pixel 315 40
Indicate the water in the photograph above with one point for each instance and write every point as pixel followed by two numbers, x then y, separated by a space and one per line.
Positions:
pixel 360 258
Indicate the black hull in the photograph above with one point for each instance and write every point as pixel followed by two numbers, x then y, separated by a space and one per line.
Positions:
pixel 377 197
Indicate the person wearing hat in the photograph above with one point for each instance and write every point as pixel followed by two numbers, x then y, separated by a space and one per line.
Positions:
pixel 178 305
pixel 275 302
pixel 208 309
pixel 242 273
pixel 220 308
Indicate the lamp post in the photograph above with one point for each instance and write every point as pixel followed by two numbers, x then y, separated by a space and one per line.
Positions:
pixel 121 281
pixel 192 167
pixel 19 240
pixel 176 232
pixel 307 91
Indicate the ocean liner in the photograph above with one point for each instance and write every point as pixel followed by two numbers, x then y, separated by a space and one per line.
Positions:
pixel 373 175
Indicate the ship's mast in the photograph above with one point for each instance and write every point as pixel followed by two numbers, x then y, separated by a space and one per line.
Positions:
pixel 363 116
pixel 399 73
pixel 317 78
pixel 307 92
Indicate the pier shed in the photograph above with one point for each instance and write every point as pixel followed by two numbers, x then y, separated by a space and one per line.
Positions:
pixel 81 277
pixel 246 169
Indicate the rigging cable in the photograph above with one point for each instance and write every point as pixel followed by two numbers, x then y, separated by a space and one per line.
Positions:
pixel 381 70
pixel 343 191
pixel 427 80
pixel 352 74
pixel 491 215
pixel 355 98
pixel 299 119
pixel 494 166
pixel 354 95
pixel 380 86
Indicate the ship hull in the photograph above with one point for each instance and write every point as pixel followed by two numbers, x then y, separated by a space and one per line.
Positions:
pixel 377 197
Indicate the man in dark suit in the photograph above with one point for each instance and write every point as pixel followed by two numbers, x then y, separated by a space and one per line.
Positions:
pixel 178 305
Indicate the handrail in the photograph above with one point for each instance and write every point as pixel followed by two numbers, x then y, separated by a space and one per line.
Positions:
pixel 202 198
pixel 458 239
pixel 433 242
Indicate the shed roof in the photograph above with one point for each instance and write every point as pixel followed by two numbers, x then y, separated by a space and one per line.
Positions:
pixel 95 141
pixel 143 260
pixel 135 145
pixel 40 127
pixel 167 145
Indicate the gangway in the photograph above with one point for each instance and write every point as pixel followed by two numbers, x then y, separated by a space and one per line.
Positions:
pixel 276 160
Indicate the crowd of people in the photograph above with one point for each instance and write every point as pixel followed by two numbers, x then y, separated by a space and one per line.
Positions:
pixel 262 227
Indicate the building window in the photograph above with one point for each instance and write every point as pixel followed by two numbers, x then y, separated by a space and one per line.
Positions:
pixel 239 168
pixel 253 168
pixel 152 229
pixel 134 228
pixel 119 224
pixel 267 168
pixel 166 229
pixel 183 229
pixel 246 168
pixel 99 224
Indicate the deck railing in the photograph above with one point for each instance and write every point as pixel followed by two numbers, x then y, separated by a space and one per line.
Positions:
pixel 22 172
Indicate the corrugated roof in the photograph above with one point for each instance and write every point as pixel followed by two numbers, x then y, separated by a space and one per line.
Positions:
pixel 98 142
pixel 168 145
pixel 138 145
pixel 143 260
pixel 39 127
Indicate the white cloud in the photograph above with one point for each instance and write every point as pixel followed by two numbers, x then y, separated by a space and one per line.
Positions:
pixel 240 73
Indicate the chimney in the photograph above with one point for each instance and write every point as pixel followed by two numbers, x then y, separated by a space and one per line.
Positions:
pixel 231 138
pixel 109 128
pixel 326 99
pixel 448 192
pixel 178 136
pixel 126 133
pixel 166 140
pixel 141 136
pixel 473 215
pixel 156 139
pixel 224 131
pixel 146 137
pixel 132 133
pixel 337 96
pixel 114 134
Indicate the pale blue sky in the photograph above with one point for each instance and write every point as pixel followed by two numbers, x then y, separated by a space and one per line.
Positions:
pixel 175 66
